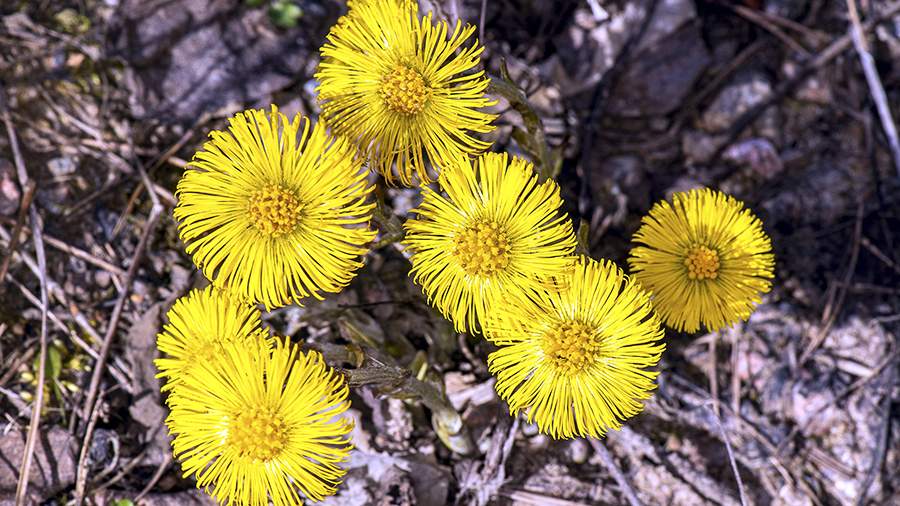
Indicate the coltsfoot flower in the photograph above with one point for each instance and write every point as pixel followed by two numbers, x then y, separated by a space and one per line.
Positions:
pixel 705 258
pixel 402 88
pixel 495 233
pixel 275 210
pixel 200 325
pixel 576 357
pixel 259 426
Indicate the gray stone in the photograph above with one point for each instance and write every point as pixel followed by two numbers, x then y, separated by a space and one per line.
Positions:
pixel 659 78
pixel 187 58
pixel 746 91
pixel 53 464
pixel 759 155
pixel 62 166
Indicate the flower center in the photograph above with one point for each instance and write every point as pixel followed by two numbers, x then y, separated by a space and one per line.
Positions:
pixel 482 249
pixel 205 351
pixel 257 433
pixel 404 91
pixel 702 263
pixel 274 210
pixel 571 346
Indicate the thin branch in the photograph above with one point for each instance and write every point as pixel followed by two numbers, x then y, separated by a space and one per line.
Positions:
pixel 880 450
pixel 121 370
pixel 848 276
pixel 90 404
pixel 481 17
pixel 75 251
pixel 875 86
pixel 617 474
pixel 36 227
pixel 727 440
pixel 824 57
pixel 24 206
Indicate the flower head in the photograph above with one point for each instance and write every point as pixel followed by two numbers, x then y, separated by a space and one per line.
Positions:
pixel 704 257
pixel 496 232
pixel 402 88
pixel 200 325
pixel 259 426
pixel 275 210
pixel 576 357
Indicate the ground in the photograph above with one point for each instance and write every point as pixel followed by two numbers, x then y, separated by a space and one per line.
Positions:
pixel 764 99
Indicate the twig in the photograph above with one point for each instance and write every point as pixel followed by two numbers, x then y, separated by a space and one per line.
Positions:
pixel 153 165
pixel 831 310
pixel 727 441
pixel 481 17
pixel 90 404
pixel 838 398
pixel 713 372
pixel 14 365
pixel 828 54
pixel 881 449
pixel 81 470
pixel 76 252
pixel 37 239
pixel 735 377
pixel 875 86
pixel 121 371
pixel 24 206
pixel 875 250
pixel 166 462
pixel 617 474
pixel 758 18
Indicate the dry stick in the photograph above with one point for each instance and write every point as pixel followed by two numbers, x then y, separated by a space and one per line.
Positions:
pixel 766 24
pixel 875 250
pixel 735 378
pixel 881 449
pixel 38 405
pixel 861 382
pixel 14 366
pixel 24 206
pixel 160 470
pixel 75 252
pixel 839 300
pixel 155 164
pixel 91 403
pixel 828 54
pixel 616 473
pixel 712 371
pixel 734 468
pixel 121 370
pixel 875 86
pixel 117 371
pixel 481 21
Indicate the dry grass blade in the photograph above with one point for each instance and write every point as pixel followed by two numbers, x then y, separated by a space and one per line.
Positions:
pixel 24 206
pixel 38 405
pixel 727 440
pixel 874 82
pixel 94 387
pixel 616 473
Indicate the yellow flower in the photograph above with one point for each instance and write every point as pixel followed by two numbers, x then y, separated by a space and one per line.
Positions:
pixel 402 88
pixel 705 258
pixel 576 357
pixel 275 210
pixel 256 426
pixel 200 325
pixel 497 232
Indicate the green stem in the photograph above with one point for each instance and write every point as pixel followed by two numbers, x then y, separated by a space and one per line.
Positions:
pixel 532 139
